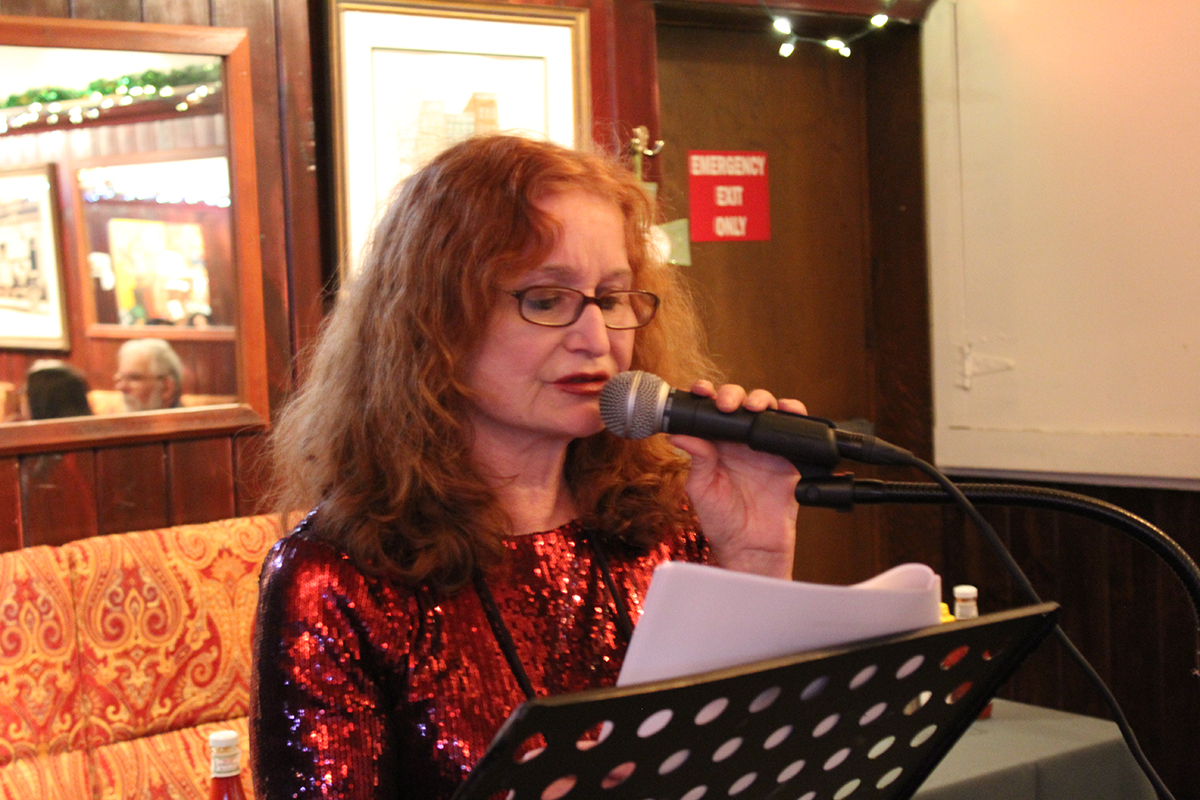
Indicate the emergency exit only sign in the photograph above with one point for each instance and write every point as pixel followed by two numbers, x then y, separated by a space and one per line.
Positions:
pixel 728 196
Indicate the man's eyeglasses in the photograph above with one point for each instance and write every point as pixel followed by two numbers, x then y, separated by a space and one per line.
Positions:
pixel 557 307
pixel 135 377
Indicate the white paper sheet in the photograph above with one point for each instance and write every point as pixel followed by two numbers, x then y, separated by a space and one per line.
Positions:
pixel 698 618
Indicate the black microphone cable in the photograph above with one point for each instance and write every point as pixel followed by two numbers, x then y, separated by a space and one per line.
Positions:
pixel 635 404
pixel 1014 569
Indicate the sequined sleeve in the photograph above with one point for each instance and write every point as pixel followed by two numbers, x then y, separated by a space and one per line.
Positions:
pixel 321 690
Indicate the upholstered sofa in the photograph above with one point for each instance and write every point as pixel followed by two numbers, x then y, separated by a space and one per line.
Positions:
pixel 120 654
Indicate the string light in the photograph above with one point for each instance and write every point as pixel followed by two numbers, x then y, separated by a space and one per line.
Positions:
pixel 50 106
pixel 838 44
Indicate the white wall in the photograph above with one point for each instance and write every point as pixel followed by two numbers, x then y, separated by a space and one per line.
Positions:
pixel 1063 158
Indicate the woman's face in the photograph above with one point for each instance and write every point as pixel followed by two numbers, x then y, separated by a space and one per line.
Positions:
pixel 542 384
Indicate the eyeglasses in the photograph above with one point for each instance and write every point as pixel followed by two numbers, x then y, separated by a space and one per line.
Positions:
pixel 557 307
pixel 135 377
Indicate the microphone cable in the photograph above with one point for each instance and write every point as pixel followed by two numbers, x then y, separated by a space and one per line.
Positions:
pixel 993 540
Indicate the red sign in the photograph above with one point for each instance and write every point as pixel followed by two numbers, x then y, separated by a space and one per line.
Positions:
pixel 729 198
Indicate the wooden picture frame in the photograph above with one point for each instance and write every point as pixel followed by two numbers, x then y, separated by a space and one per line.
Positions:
pixel 33 309
pixel 410 78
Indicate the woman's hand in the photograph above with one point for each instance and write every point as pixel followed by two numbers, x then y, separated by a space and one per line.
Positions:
pixel 745 500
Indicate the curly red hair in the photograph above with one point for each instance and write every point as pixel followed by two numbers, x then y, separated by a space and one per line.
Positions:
pixel 377 436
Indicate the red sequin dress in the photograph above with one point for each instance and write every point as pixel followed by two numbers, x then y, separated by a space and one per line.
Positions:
pixel 368 689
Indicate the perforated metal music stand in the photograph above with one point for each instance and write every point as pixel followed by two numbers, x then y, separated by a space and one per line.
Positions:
pixel 870 720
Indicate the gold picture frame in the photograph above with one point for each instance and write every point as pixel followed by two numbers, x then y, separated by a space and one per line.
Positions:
pixel 410 78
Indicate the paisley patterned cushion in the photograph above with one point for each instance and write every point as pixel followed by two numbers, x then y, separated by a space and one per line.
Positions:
pixel 62 776
pixel 171 765
pixel 165 619
pixel 40 711
pixel 120 654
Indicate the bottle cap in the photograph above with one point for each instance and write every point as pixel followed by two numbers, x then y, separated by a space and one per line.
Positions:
pixel 965 592
pixel 221 739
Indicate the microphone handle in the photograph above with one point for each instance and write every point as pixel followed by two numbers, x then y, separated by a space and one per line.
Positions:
pixel 795 437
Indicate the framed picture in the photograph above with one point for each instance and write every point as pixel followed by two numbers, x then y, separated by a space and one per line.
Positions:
pixel 412 78
pixel 158 239
pixel 32 304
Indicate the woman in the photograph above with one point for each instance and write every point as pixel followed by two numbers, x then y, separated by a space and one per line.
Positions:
pixel 55 389
pixel 478 538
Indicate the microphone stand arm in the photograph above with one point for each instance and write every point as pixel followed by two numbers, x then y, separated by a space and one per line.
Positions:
pixel 842 492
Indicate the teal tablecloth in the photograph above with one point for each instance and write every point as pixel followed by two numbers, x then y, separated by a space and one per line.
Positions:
pixel 1027 752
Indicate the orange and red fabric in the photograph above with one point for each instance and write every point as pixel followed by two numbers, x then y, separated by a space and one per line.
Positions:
pixel 159 626
pixel 41 718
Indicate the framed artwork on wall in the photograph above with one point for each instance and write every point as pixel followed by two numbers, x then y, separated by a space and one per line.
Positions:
pixel 158 238
pixel 410 79
pixel 32 304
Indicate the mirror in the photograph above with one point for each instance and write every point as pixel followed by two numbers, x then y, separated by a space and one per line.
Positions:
pixel 144 225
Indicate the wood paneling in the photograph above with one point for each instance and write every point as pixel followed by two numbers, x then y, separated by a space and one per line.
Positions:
pixel 10 504
pixel 177 12
pixel 36 8
pixel 116 10
pixel 1122 607
pixel 201 482
pixel 251 475
pixel 58 497
pixel 131 488
pixel 307 284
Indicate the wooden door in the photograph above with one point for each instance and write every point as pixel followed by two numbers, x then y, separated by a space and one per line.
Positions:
pixel 789 314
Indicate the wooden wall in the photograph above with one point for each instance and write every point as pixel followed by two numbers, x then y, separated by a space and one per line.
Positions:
pixel 52 498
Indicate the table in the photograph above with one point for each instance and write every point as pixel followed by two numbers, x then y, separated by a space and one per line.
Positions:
pixel 1028 752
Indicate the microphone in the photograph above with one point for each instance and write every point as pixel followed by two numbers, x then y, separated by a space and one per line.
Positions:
pixel 637 404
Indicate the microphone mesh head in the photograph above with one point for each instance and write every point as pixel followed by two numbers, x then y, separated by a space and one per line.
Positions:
pixel 630 404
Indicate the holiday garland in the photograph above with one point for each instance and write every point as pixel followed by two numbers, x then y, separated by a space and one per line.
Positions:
pixel 183 76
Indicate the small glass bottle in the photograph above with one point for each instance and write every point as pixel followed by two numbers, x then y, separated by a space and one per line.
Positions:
pixel 966 606
pixel 966 601
pixel 226 766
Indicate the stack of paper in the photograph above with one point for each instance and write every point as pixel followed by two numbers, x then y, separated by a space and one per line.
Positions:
pixel 698 618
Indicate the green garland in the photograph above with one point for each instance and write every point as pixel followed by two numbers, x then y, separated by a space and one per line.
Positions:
pixel 183 76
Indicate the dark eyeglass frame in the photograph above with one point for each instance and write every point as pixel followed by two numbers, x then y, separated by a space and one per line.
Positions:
pixel 136 377
pixel 585 302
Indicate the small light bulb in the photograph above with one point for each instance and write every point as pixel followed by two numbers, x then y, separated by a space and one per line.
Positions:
pixel 879 20
pixel 835 44
pixel 845 51
pixel 783 24
pixel 786 49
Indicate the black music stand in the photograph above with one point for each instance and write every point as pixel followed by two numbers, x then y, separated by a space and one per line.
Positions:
pixel 868 720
